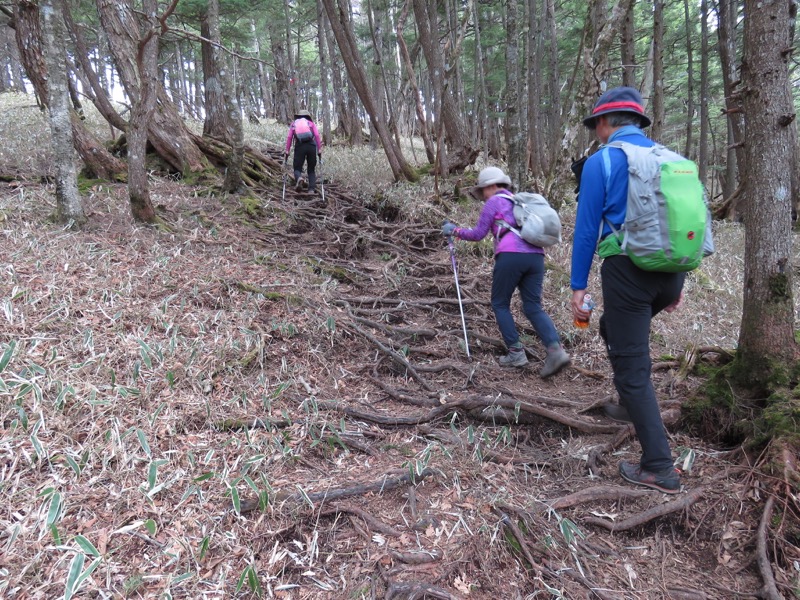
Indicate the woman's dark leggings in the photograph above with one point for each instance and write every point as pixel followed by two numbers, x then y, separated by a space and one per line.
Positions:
pixel 305 151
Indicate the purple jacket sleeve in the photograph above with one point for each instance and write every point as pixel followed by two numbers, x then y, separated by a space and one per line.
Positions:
pixel 497 208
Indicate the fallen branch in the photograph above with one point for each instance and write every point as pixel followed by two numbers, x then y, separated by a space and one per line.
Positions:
pixel 650 514
pixel 770 590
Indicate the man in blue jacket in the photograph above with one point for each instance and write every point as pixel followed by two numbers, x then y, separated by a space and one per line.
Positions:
pixel 631 296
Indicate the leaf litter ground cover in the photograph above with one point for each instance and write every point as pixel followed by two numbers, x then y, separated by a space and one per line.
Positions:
pixel 279 403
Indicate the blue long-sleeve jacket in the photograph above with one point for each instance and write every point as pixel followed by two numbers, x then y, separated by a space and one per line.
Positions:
pixel 603 198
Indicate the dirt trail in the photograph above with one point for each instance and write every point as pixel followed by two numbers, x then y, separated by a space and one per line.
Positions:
pixel 276 397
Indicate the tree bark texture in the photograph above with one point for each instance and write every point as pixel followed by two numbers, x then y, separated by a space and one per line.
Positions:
pixel 424 129
pixel 766 339
pixel 597 46
pixel 657 97
pixel 462 154
pixel 727 17
pixel 99 161
pixel 342 30
pixel 214 122
pixel 515 142
pixel 143 107
pixel 232 113
pixel 166 130
pixel 68 200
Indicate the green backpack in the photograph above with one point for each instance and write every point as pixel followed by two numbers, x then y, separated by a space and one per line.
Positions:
pixel 667 223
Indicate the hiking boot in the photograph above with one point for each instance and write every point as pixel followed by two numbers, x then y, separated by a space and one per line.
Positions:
pixel 666 481
pixel 298 184
pixel 556 360
pixel 515 358
pixel 618 413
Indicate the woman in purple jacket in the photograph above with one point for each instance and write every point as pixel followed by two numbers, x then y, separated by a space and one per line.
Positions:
pixel 518 265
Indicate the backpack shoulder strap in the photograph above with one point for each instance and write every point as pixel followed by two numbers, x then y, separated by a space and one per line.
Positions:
pixel 502 223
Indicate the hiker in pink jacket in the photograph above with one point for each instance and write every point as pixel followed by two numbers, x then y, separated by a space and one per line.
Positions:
pixel 307 145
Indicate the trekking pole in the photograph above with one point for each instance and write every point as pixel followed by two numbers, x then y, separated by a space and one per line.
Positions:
pixel 321 179
pixel 458 290
pixel 283 194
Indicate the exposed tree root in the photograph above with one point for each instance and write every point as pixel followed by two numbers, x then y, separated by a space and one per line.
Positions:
pixel 372 522
pixel 650 514
pixel 419 557
pixel 474 405
pixel 770 590
pixel 390 481
pixel 596 455
pixel 509 524
pixel 416 591
pixel 597 494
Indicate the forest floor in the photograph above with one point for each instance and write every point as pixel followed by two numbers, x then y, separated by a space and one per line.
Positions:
pixel 274 399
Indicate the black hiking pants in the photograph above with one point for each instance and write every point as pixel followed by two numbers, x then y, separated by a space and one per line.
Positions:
pixel 631 298
pixel 305 152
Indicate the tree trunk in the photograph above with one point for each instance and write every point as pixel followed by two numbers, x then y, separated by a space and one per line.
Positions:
pixel 463 154
pixel 597 47
pixel 342 29
pixel 689 26
pixel 728 18
pixel 143 107
pixel 766 339
pixel 68 199
pixel 263 82
pixel 702 154
pixel 482 106
pixel 232 115
pixel 533 69
pixel 100 95
pixel 283 106
pixel 214 124
pixel 554 118
pixel 99 162
pixel 424 128
pixel 657 110
pixel 628 48
pixel 514 139
pixel 323 76
pixel 166 131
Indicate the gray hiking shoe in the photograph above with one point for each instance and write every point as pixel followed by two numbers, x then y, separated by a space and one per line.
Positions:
pixel 298 184
pixel 618 413
pixel 515 358
pixel 666 481
pixel 555 361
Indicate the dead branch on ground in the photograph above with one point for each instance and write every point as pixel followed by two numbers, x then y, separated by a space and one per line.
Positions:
pixel 650 514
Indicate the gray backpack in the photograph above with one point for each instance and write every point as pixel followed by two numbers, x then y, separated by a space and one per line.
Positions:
pixel 537 222
pixel 667 223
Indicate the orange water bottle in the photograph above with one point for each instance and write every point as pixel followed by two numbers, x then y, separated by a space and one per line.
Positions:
pixel 588 305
